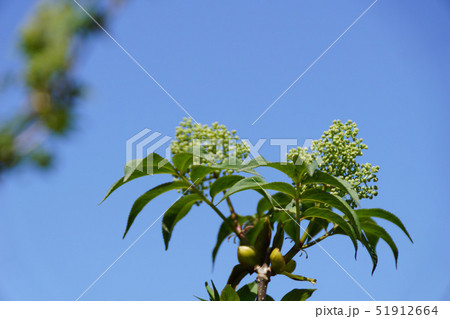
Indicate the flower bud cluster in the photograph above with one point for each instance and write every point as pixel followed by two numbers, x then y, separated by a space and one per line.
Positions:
pixel 218 143
pixel 338 149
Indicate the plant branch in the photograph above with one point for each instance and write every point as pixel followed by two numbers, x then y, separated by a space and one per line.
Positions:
pixel 262 279
pixel 240 234
pixel 292 252
pixel 233 215
pixel 318 240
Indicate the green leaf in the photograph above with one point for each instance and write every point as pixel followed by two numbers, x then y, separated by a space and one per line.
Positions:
pixel 315 226
pixel 287 168
pixel 384 214
pixel 223 183
pixel 312 167
pixel 373 240
pixel 298 277
pixel 144 199
pixel 280 200
pixel 201 299
pixel 371 250
pixel 213 293
pixel 198 172
pixel 380 232
pixel 254 231
pixel 235 165
pixel 229 294
pixel 262 241
pixel 150 165
pixel 248 292
pixel 324 178
pixel 237 274
pixel 291 227
pixel 216 292
pixel 182 161
pixel 298 295
pixel 278 239
pixel 281 187
pixel 175 213
pixel 121 182
pixel 269 298
pixel 253 182
pixel 329 215
pixel 320 196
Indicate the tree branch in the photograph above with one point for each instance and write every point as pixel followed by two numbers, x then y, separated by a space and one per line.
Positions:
pixel 262 279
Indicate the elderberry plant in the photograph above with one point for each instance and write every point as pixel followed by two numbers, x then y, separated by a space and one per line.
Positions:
pixel 318 198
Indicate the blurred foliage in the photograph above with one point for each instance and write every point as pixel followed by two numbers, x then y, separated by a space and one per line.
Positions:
pixel 50 42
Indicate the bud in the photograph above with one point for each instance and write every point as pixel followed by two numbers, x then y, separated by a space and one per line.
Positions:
pixel 277 261
pixel 278 239
pixel 247 256
pixel 290 266
pixel 262 241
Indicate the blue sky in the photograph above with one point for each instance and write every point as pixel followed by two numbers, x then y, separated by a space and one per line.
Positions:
pixel 227 61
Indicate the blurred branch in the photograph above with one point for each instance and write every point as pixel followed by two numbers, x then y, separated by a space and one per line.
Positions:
pixel 51 41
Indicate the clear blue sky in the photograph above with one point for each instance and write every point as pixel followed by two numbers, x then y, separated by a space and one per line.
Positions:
pixel 227 61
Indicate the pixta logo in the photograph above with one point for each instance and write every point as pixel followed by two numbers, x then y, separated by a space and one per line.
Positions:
pixel 141 148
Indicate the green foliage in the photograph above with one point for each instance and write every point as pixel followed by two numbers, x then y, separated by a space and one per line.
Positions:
pixel 338 149
pixel 229 294
pixel 310 197
pixel 248 292
pixel 298 295
pixel 50 42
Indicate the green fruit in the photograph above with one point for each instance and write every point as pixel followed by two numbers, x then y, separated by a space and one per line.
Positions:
pixel 277 261
pixel 290 266
pixel 247 256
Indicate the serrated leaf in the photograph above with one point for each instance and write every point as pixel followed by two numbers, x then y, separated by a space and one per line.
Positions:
pixel 287 168
pixel 380 232
pixel 384 214
pixel 145 198
pixel 371 250
pixel 252 182
pixel 182 161
pixel 248 292
pixel 121 182
pixel 329 215
pixel 320 196
pixel 280 200
pixel 223 183
pixel 291 228
pixel 312 167
pixel 298 295
pixel 315 226
pixel 281 187
pixel 198 172
pixel 325 178
pixel 150 165
pixel 235 165
pixel 175 213
pixel 229 294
